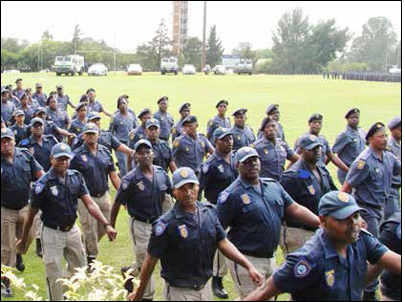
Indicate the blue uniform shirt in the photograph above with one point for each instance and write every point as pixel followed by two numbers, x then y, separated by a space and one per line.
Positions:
pixel 135 135
pixel 20 132
pixel 95 106
pixel 186 245
pixel 57 200
pixel 40 98
pixel 254 215
pixel 371 177
pixel 163 154
pixel 215 123
pixel 77 127
pixel 94 168
pixel 280 131
pixel 121 126
pixel 50 128
pixel 177 129
pixel 7 111
pixel 189 152
pixel 349 144
pixel 42 152
pixel 16 178
pixel 395 148
pixel 316 272
pixel 18 92
pixel 63 102
pixel 105 138
pixel 216 175
pixel 272 157
pixel 60 118
pixel 142 197
pixel 166 123
pixel 242 137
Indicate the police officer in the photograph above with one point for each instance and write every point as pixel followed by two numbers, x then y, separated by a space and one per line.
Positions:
pixel 190 148
pixel 242 134
pixel 51 128
pixel 39 96
pixel 142 191
pixel 122 123
pixel 140 131
pixel 95 105
pixel 371 176
pixel 184 110
pixel 165 119
pixel 18 168
pixel 26 108
pixel 95 163
pixel 7 107
pixel 80 121
pixel 63 99
pixel 185 240
pixel 273 151
pixel 31 102
pixel 253 208
pixel 19 90
pixel 60 118
pixel 306 182
pixel 217 173
pixel 273 113
pixel 20 129
pixel 56 194
pixel 332 266
pixel 220 120
pixel 394 146
pixel 315 123
pixel 350 143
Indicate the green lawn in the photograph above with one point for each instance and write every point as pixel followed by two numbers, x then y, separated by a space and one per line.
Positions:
pixel 298 96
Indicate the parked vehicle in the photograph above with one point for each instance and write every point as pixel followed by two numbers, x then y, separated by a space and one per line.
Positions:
pixel 245 66
pixel 134 69
pixel 188 69
pixel 219 69
pixel 69 65
pixel 97 69
pixel 168 65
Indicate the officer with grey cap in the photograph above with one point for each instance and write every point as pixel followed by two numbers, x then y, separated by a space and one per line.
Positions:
pixel 184 111
pixel 220 120
pixel 20 129
pixel 185 241
pixel 242 133
pixel 7 107
pixel 39 96
pixel 56 195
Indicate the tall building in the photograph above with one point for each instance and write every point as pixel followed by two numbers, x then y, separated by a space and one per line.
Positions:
pixel 180 25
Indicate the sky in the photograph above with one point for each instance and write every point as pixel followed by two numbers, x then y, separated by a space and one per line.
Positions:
pixel 125 25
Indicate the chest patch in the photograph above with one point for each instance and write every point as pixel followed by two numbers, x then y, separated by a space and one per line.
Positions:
pixel 54 191
pixel 246 199
pixel 330 278
pixel 311 189
pixel 183 231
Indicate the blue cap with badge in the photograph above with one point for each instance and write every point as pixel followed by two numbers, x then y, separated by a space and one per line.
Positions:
pixel 152 122
pixel 7 133
pixel 182 176
pixel 61 150
pixel 309 142
pixel 142 142
pixel 221 132
pixel 339 205
pixel 245 153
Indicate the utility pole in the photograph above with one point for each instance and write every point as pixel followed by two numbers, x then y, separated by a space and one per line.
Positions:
pixel 204 30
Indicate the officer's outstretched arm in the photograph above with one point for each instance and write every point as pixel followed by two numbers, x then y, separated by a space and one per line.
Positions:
pixel 390 261
pixel 264 293
pixel 22 243
pixel 148 266
pixel 337 162
pixel 114 213
pixel 303 215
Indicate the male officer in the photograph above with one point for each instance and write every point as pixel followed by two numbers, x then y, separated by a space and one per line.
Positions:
pixel 54 114
pixel 350 143
pixel 371 176
pixel 39 96
pixel 273 151
pixel 95 163
pixel 185 240
pixel 190 148
pixel 315 123
pixel 394 146
pixel 306 182
pixel 242 134
pixel 19 90
pixel 332 266
pixel 273 113
pixel 63 99
pixel 95 105
pixel 140 131
pixel 20 129
pixel 7 107
pixel 216 174
pixel 142 191
pixel 18 168
pixel 220 120
pixel 50 127
pixel 253 208
pixel 165 119
pixel 56 194
pixel 184 111
pixel 80 120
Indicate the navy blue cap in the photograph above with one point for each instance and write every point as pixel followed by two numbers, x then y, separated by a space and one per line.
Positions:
pixel 240 111
pixel 374 128
pixel 221 132
pixel 18 112
pixel 189 119
pixel 60 150
pixel 265 122
pixel 182 176
pixel 90 128
pixel 143 112
pixel 6 132
pixel 40 110
pixel 163 98
pixel 222 102
pixel 339 205
pixel 350 111
pixel 37 120
pixel 315 117
pixel 80 106
pixel 94 115
pixel 395 122
pixel 309 142
pixel 244 153
pixel 142 142
pixel 271 108
pixel 184 106
pixel 152 122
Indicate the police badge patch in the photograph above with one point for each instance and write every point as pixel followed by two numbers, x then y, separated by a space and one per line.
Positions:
pixel 183 231
pixel 221 168
pixel 38 188
pixel 302 269
pixel 245 199
pixel 160 228
pixel 125 184
pixel 360 164
pixel 54 191
pixel 311 189
pixel 344 197
pixel 141 186
pixel 223 197
pixel 330 278
pixel 84 158
pixel 205 168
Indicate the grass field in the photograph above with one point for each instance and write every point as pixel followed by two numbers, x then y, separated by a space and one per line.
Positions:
pixel 298 96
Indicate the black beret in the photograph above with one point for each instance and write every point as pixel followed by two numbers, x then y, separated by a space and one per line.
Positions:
pixel 163 98
pixel 80 106
pixel 265 122
pixel 143 112
pixel 271 108
pixel 240 111
pixel 184 106
pixel 395 122
pixel 19 79
pixel 222 102
pixel 374 129
pixel 189 119
pixel 315 117
pixel 350 111
pixel 90 90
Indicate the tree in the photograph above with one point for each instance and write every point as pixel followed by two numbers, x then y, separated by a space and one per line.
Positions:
pixel 192 50
pixel 46 35
pixel 214 48
pixel 160 43
pixel 76 41
pixel 244 50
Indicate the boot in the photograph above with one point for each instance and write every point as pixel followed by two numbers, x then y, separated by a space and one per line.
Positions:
pixel 128 285
pixel 218 288
pixel 370 296
pixel 5 287
pixel 90 260
pixel 20 263
pixel 38 248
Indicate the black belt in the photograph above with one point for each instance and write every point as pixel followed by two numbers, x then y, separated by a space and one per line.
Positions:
pixel 303 227
pixel 59 228
pixel 98 195
pixel 144 220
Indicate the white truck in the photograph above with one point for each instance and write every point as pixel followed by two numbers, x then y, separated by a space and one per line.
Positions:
pixel 168 65
pixel 244 66
pixel 69 65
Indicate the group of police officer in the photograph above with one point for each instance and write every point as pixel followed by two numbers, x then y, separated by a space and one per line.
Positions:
pixel 254 203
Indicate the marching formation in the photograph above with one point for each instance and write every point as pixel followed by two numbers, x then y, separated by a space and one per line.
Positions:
pixel 234 196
